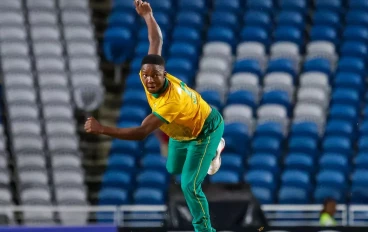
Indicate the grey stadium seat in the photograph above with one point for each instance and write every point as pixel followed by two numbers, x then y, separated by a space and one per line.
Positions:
pixel 10 33
pixel 26 143
pixel 85 64
pixel 313 96
pixel 74 33
pixel 25 127
pixel 59 161
pixel 65 194
pixel 76 49
pixel 42 18
pixel 23 111
pixel 41 4
pixel 35 194
pixel 71 4
pixel 245 81
pixel 60 127
pixel 315 80
pixel 55 95
pixel 14 49
pixel 218 85
pixel 45 33
pixel 76 18
pixel 12 64
pixel 4 177
pixel 309 112
pixel 68 178
pixel 33 177
pixel 215 65
pixel 324 49
pixel 20 95
pixel 2 144
pixel 60 143
pixel 273 113
pixel 28 160
pixel 218 49
pixel 3 162
pixel 51 80
pixel 286 50
pixel 10 5
pixel 53 64
pixel 239 113
pixel 252 50
pixel 279 81
pixel 48 49
pixel 91 78
pixel 61 111
pixel 11 80
pixel 5 197
pixel 88 97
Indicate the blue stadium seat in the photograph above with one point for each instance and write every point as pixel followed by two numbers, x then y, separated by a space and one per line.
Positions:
pixel 289 34
pixel 322 192
pixel 344 112
pixel 305 129
pixel 187 35
pixel 355 33
pixel 152 144
pixel 255 34
pixel 331 5
pixel 221 34
pixel 232 162
pixel 230 6
pixel 332 179
pixel 118 45
pixel 225 176
pixel 225 19
pixel 352 64
pixel 334 161
pixel 265 5
pixel 360 177
pixel 132 114
pixel 293 195
pixel 263 195
pixel 300 161
pixel 141 49
pixel 359 195
pixel 213 98
pixel 125 147
pixel 266 145
pixel 363 128
pixel 257 19
pixel 349 80
pixel 325 33
pixel 184 50
pixel 358 4
pixel 326 18
pixel 193 5
pixel 281 65
pixel 112 196
pixel 153 162
pixel 294 5
pixel 363 144
pixel 189 19
pixel 161 6
pixel 134 97
pixel 237 137
pixel 318 65
pixel 361 160
pixel 135 65
pixel 242 97
pixel 345 97
pixel 340 128
pixel 337 144
pixel 305 145
pixel 357 17
pixel 122 5
pixel 270 129
pixel 267 162
pixel 180 65
pixel 261 178
pixel 121 162
pixel 149 196
pixel 123 19
pixel 152 179
pixel 143 35
pixel 248 65
pixel 278 97
pixel 291 18
pixel 117 179
pixel 297 179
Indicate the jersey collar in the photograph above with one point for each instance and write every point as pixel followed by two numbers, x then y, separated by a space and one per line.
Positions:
pixel 166 84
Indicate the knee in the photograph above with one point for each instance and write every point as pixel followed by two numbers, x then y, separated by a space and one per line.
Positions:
pixel 188 187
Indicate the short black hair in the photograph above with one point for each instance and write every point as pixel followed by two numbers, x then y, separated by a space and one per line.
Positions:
pixel 153 59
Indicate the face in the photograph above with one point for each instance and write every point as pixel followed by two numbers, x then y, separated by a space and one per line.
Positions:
pixel 331 207
pixel 153 77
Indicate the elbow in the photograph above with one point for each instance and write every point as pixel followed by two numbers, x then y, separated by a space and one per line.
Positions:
pixel 156 41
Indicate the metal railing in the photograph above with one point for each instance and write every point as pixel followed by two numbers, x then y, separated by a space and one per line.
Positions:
pixel 154 216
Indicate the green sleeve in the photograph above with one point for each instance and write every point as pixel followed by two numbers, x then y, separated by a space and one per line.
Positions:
pixel 160 117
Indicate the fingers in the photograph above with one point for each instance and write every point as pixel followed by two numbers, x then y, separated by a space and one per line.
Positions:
pixel 88 125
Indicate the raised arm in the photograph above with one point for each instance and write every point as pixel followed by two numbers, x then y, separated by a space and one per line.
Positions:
pixel 154 32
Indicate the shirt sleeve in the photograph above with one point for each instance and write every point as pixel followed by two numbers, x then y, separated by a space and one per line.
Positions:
pixel 167 112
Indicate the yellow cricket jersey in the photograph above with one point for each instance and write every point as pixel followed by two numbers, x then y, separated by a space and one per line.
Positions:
pixel 181 108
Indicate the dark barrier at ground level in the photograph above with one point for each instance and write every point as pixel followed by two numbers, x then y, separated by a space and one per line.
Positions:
pixel 250 229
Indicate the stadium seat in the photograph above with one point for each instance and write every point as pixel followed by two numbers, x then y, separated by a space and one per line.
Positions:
pixel 259 19
pixel 300 161
pixel 334 161
pixel 153 162
pixel 345 97
pixel 355 34
pixel 192 5
pixel 340 128
pixel 213 98
pixel 255 34
pixel 111 196
pixel 184 50
pixel 186 35
pixel 266 5
pixel 232 162
pixel 297 179
pixel 117 179
pixel 242 97
pixel 291 18
pixel 363 144
pixel 321 193
pixel 343 112
pixel 236 136
pixel 270 129
pixel 225 176
pixel 261 178
pixel 122 19
pixel 152 179
pixel 299 6
pixel 121 162
pixel 289 34
pixel 126 147
pixel 225 19
pixel 358 4
pixel 332 178
pixel 248 66
pixel 277 97
pixel 318 65
pixel 152 144
pixel 267 162
pixel 266 145
pixel 326 18
pixel 293 195
pixel 337 144
pixel 303 145
pixel 189 19
pixel 263 195
pixel 333 5
pixel 356 17
pixel 221 34
pixel 349 80
pixel 132 114
pixel 305 129
pixel 148 196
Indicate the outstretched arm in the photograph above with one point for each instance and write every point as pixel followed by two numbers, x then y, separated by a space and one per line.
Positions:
pixel 154 32
pixel 149 124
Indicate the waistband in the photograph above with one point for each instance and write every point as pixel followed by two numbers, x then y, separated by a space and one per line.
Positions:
pixel 211 123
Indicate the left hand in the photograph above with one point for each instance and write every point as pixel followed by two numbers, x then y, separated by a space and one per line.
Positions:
pixel 93 126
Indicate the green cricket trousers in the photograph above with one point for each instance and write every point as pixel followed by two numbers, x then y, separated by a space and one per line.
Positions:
pixel 192 160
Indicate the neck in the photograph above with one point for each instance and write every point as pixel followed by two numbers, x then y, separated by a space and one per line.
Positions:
pixel 163 89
